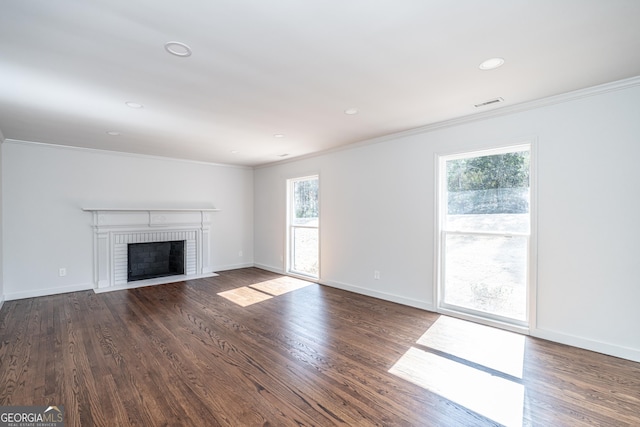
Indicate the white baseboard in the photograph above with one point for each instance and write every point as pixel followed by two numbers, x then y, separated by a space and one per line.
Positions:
pixel 574 341
pixel 49 291
pixel 380 295
pixel 232 266
pixel 277 270
pixel 587 344
pixel 359 290
pixel 153 282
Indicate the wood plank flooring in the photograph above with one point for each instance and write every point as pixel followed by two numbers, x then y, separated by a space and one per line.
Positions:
pixel 183 355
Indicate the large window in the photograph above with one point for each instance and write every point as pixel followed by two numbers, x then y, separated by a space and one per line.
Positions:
pixel 485 226
pixel 303 226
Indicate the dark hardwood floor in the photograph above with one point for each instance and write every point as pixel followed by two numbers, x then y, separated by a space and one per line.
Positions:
pixel 182 355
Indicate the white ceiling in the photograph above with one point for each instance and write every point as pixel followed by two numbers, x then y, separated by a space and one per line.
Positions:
pixel 265 67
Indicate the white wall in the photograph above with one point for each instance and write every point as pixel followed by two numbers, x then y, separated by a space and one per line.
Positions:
pixel 46 187
pixel 377 212
pixel 1 227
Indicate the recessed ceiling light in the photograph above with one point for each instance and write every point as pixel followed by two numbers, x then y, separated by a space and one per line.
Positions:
pixel 177 49
pixel 278 135
pixel 133 105
pixel 351 111
pixel 113 133
pixel 234 151
pixel 491 63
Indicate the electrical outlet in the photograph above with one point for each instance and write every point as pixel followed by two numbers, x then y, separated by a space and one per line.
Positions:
pixel 62 272
pixel 376 274
pixel 240 253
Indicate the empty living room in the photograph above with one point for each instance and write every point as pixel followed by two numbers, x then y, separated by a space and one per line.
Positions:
pixel 286 213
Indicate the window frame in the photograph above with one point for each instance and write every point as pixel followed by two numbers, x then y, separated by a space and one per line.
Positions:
pixel 290 227
pixel 440 233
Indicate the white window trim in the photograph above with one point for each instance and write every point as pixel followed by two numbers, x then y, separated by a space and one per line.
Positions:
pixel 289 226
pixel 531 144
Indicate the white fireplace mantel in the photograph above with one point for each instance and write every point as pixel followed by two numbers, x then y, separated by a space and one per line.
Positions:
pixel 115 228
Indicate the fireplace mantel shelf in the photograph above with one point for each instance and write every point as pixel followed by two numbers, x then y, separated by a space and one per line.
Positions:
pixel 150 210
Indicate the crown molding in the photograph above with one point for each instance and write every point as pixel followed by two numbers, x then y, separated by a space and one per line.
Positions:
pixel 123 154
pixel 498 112
pixel 532 105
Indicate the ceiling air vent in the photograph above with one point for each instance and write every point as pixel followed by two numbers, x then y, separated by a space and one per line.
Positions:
pixel 489 102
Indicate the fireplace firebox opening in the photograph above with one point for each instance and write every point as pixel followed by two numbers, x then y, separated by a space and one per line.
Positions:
pixel 155 259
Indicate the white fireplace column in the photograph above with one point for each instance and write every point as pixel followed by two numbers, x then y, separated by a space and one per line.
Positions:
pixel 114 229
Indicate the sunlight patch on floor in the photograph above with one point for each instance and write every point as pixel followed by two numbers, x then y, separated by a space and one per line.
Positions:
pixel 475 366
pixel 258 292
pixel 494 397
pixel 279 286
pixel 244 296
pixel 493 348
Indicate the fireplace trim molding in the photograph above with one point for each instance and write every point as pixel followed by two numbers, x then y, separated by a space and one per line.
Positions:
pixel 114 228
